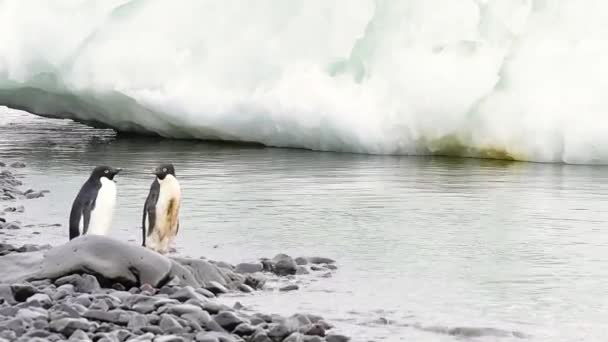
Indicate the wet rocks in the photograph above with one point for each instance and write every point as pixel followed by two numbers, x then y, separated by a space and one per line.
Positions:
pixel 283 264
pixel 291 287
pixel 18 165
pixel 245 268
pixel 85 283
pixel 227 320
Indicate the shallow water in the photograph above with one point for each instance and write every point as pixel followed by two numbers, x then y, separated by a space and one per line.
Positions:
pixel 425 243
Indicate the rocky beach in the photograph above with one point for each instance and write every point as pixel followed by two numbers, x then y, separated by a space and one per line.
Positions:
pixel 97 288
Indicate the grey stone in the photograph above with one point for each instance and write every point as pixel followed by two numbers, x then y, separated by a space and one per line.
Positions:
pixel 137 321
pixel 202 271
pixel 187 293
pixel 22 292
pixel 205 292
pixel 170 338
pixel 33 313
pixel 227 320
pixel 8 334
pixel 336 338
pixel 18 165
pixel 84 283
pixel 308 338
pixel 42 298
pixel 6 294
pixel 245 288
pixel 118 317
pixel 301 261
pixel 65 311
pixel 294 337
pixel 17 325
pixel 278 331
pixel 216 287
pixel 245 268
pixel 320 260
pixel 182 309
pixel 67 326
pixel 147 337
pixel 79 336
pixel 260 336
pixel 170 325
pixel 244 329
pixel 314 330
pixel 214 336
pixel 302 270
pixel 200 318
pixel 33 195
pixel 283 264
pixel 291 287
pixel 255 280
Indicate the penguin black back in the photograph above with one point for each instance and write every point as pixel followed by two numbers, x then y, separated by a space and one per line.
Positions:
pixel 85 201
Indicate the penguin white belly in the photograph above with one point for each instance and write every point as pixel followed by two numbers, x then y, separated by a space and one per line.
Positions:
pixel 102 214
pixel 167 214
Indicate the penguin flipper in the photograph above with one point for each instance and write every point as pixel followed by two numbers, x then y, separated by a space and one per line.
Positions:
pixel 75 216
pixel 86 216
pixel 150 211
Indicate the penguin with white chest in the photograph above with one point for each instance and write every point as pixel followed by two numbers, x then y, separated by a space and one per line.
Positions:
pixel 93 209
pixel 162 210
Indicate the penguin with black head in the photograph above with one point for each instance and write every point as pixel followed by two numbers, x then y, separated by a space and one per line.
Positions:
pixel 93 209
pixel 161 210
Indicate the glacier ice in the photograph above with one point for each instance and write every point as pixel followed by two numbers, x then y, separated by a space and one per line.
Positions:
pixel 515 79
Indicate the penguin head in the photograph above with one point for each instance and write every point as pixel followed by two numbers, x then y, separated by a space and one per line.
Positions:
pixel 105 171
pixel 163 170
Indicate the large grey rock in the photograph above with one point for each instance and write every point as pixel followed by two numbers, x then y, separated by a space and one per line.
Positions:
pixel 67 326
pixel 111 260
pixel 227 320
pixel 202 271
pixel 283 264
pixel 119 317
pixel 245 268
pixel 214 336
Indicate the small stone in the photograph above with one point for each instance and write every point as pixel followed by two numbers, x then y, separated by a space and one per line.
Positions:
pixel 255 280
pixel 214 336
pixel 137 321
pixel 147 337
pixel 245 288
pixel 336 338
pixel 67 326
pixel 245 268
pixel 317 268
pixel 33 195
pixel 321 260
pixel 302 270
pixel 187 293
pixel 277 331
pixel 216 287
pixel 11 226
pixel 227 320
pixel 182 309
pixel 260 336
pixel 170 338
pixel 294 337
pixel 32 313
pixel 22 292
pixel 244 329
pixel 301 261
pixel 291 287
pixel 170 325
pixel 6 294
pixel 205 292
pixel 44 300
pixel 79 336
pixel 118 317
pixel 147 289
pixel 331 267
pixel 309 338
pixel 315 330
pixel 18 165
pixel 199 318
pixel 8 335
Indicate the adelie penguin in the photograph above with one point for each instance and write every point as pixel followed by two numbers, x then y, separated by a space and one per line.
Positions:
pixel 93 208
pixel 162 210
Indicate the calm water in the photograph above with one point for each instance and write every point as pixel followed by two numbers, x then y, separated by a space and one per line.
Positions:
pixel 421 242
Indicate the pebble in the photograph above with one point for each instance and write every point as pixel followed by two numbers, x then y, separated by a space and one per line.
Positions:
pixel 291 287
pixel 18 165
pixel 336 338
pixel 85 283
pixel 227 320
pixel 245 268
pixel 67 326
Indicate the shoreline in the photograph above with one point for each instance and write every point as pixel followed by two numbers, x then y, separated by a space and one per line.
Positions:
pixel 96 288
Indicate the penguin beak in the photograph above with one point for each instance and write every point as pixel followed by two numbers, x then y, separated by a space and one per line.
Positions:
pixel 117 170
